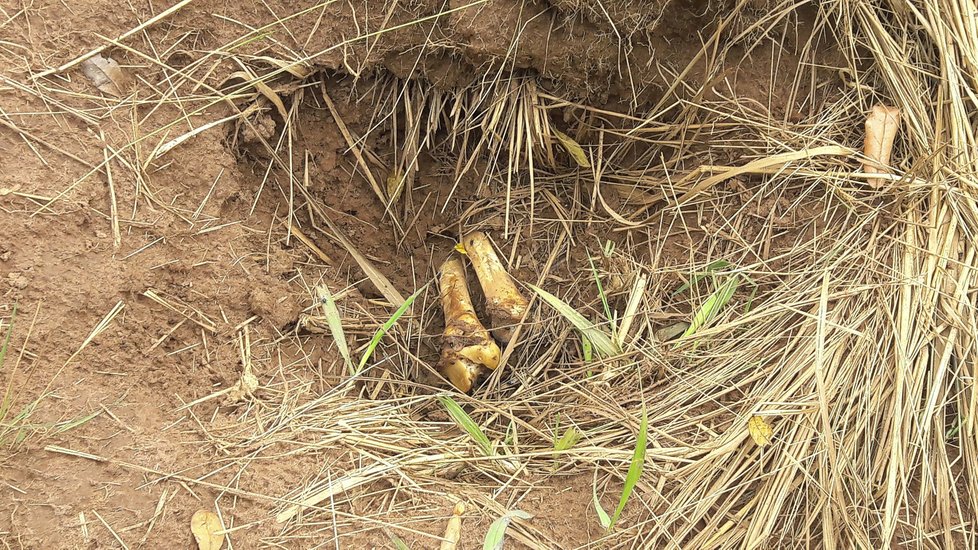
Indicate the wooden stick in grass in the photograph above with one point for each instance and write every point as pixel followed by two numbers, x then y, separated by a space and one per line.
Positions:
pixel 881 130
pixel 504 302
pixel 468 352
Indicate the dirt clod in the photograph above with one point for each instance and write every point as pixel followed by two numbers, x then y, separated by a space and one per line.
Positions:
pixel 279 309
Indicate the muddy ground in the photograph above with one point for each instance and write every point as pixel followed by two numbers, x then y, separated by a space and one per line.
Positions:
pixel 206 228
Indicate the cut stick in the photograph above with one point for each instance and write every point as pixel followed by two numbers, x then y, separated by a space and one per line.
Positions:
pixel 504 302
pixel 881 130
pixel 468 352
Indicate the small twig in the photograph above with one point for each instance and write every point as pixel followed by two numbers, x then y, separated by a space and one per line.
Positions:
pixel 83 523
pixel 312 246
pixel 109 527
pixel 203 323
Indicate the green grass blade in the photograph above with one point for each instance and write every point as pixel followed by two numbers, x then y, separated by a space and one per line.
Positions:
pixel 497 531
pixel 398 543
pixel 387 326
pixel 604 297
pixel 712 306
pixel 587 349
pixel 750 299
pixel 602 342
pixel 708 270
pixel 67 425
pixel 465 422
pixel 332 314
pixel 953 432
pixel 635 468
pixel 567 441
pixel 603 518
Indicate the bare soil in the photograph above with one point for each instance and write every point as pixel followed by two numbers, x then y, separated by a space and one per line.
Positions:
pixel 207 228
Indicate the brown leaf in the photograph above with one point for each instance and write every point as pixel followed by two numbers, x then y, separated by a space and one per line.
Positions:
pixel 106 74
pixel 670 332
pixel 204 525
pixel 395 185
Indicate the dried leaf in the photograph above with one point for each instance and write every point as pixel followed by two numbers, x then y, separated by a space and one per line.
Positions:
pixel 760 431
pixel 262 88
pixel 573 148
pixel 395 185
pixel 460 248
pixel 205 525
pixel 106 74
pixel 671 332
pixel 332 314
pixel 298 69
pixel 271 95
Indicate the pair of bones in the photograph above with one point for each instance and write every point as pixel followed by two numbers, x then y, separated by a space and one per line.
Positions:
pixel 468 351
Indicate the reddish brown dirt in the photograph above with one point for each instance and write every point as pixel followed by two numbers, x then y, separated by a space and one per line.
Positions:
pixel 198 242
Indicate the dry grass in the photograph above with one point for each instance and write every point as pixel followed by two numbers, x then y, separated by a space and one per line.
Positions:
pixel 857 346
